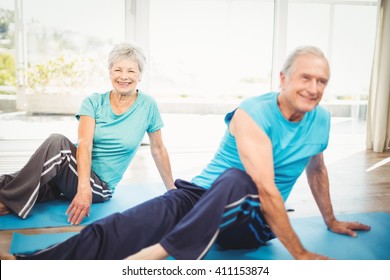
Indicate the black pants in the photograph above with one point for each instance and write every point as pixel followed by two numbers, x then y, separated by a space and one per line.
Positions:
pixel 50 172
pixel 185 221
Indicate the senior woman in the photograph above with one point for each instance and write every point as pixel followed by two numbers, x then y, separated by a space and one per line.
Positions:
pixel 111 128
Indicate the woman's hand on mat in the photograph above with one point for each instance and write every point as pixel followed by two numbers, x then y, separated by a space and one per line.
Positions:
pixel 347 228
pixel 80 207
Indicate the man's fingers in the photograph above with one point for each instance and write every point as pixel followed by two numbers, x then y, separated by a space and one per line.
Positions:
pixel 345 231
pixel 360 226
pixel 352 233
pixel 350 228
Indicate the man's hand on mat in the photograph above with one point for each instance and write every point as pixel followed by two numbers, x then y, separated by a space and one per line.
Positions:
pixel 80 207
pixel 347 228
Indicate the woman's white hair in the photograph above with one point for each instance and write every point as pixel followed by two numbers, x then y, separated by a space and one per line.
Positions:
pixel 127 51
pixel 302 50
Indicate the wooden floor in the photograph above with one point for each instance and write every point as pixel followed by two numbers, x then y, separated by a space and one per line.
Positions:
pixel 352 188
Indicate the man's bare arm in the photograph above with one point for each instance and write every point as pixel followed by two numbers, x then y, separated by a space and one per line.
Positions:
pixel 255 150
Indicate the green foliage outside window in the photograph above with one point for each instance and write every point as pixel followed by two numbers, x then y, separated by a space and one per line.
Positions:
pixel 57 73
pixel 7 70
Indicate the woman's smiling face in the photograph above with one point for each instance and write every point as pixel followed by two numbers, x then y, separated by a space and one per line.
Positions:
pixel 124 76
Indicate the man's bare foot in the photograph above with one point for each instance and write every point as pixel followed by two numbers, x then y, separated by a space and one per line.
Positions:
pixel 5 256
pixel 4 210
pixel 154 252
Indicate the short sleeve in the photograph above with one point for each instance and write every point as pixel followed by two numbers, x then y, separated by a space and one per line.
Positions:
pixel 249 107
pixel 258 110
pixel 87 108
pixel 155 120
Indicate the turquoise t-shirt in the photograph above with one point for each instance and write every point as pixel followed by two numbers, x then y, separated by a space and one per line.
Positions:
pixel 118 137
pixel 293 143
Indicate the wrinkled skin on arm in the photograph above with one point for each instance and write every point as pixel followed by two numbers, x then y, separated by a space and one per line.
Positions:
pixel 161 158
pixel 81 203
pixel 317 176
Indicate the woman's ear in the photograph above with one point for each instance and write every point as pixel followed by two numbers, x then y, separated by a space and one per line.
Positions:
pixel 282 78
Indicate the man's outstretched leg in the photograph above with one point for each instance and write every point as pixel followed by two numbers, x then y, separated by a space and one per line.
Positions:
pixel 122 234
pixel 231 205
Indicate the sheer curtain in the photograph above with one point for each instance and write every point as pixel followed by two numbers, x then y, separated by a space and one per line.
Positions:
pixel 378 117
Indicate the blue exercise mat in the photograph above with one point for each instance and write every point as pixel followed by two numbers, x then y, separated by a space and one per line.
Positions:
pixel 52 213
pixel 24 243
pixel 371 245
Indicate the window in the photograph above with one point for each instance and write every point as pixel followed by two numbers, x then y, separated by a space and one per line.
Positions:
pixel 308 24
pixel 352 51
pixel 207 49
pixel 7 49
pixel 345 31
pixel 68 42
pixel 210 48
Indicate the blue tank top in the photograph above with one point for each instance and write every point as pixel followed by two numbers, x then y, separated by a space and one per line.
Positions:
pixel 293 143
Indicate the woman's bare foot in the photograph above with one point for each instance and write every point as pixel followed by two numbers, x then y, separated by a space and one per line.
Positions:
pixel 5 256
pixel 4 210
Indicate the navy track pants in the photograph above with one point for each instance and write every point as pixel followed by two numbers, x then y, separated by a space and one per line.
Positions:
pixel 185 221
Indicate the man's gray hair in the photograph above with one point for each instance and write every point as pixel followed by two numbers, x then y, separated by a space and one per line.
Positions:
pixel 302 50
pixel 127 51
